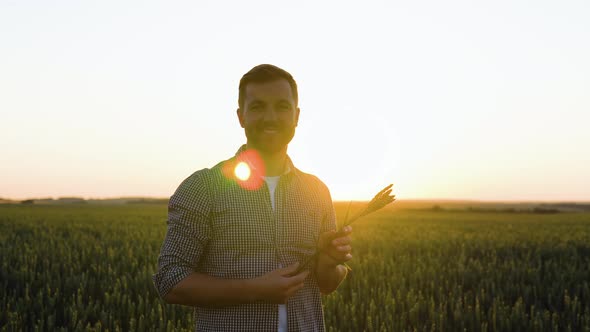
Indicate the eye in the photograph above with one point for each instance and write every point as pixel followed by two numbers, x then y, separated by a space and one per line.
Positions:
pixel 284 107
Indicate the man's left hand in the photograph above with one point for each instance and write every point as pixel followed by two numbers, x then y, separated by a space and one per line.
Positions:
pixel 335 247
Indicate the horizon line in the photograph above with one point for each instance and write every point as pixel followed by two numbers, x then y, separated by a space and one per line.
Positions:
pixel 407 199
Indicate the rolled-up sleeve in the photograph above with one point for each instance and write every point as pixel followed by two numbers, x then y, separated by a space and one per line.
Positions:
pixel 187 234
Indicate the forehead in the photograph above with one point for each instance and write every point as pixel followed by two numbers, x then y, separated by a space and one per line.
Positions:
pixel 268 91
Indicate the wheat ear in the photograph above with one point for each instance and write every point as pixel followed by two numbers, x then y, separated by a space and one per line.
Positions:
pixel 380 200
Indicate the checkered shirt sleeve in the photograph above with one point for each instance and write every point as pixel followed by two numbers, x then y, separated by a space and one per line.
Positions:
pixel 187 234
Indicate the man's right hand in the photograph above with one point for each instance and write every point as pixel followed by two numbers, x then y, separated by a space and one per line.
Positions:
pixel 279 285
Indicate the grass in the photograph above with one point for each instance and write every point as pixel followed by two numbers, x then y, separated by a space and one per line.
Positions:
pixel 89 268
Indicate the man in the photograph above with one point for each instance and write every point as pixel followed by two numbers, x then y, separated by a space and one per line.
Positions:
pixel 237 232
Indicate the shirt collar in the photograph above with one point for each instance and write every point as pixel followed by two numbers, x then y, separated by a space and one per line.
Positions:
pixel 290 168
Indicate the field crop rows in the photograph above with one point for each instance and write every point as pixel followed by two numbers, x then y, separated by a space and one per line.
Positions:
pixel 89 268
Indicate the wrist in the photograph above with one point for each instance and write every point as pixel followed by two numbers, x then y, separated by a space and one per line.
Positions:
pixel 330 276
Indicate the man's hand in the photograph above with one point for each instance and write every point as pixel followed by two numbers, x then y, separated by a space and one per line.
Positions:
pixel 335 247
pixel 279 285
pixel 200 289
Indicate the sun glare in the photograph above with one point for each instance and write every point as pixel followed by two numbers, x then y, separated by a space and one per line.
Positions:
pixel 242 171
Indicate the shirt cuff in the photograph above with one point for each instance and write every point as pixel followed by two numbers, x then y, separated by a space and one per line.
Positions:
pixel 164 281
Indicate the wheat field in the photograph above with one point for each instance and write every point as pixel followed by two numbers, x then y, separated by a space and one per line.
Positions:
pixel 89 267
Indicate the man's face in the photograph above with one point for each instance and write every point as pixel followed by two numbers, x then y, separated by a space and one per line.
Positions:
pixel 269 115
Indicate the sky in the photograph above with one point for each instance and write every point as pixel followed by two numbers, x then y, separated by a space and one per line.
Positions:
pixel 445 99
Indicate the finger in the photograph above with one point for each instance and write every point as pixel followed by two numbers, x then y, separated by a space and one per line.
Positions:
pixel 297 279
pixel 346 230
pixel 345 248
pixel 327 237
pixel 340 256
pixel 341 241
pixel 289 269
pixel 343 236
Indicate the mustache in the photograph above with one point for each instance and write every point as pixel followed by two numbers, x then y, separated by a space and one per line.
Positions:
pixel 277 125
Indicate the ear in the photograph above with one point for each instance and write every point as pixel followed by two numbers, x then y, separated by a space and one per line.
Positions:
pixel 296 116
pixel 240 115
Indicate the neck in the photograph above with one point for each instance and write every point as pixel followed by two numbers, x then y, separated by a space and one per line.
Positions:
pixel 274 163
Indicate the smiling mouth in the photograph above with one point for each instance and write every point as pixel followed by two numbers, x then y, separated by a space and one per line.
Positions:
pixel 270 130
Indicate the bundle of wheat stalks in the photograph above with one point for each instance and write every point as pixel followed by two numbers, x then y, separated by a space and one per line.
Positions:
pixel 380 200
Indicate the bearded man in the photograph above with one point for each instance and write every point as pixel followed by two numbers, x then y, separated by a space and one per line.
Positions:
pixel 238 231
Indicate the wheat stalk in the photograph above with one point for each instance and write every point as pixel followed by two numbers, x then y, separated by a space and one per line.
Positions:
pixel 378 202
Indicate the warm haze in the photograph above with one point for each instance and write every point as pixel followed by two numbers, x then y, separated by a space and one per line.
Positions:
pixel 445 99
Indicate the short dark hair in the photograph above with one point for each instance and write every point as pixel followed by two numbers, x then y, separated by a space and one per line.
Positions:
pixel 262 74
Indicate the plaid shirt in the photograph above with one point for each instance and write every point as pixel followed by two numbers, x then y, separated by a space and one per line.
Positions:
pixel 218 227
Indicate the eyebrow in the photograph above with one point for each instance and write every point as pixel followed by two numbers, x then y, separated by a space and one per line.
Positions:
pixel 256 101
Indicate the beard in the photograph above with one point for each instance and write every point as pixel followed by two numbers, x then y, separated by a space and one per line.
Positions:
pixel 269 143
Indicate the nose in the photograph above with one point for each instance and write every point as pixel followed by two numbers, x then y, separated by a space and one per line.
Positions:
pixel 270 115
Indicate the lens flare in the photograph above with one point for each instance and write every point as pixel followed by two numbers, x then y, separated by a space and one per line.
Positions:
pixel 246 170
pixel 242 171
